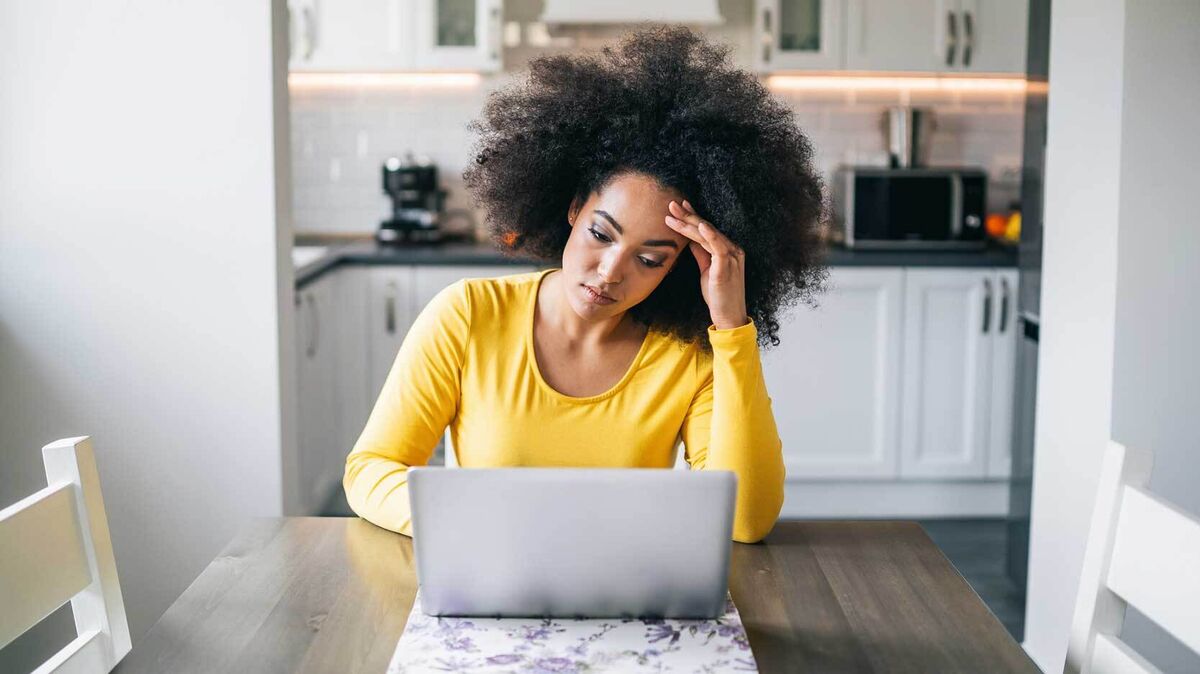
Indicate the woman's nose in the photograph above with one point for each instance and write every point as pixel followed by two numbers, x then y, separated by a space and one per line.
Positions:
pixel 610 269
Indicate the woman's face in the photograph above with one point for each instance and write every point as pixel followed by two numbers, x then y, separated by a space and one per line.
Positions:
pixel 620 246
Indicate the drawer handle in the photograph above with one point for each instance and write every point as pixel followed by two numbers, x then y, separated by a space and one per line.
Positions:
pixel 987 305
pixel 390 309
pixel 1003 306
pixel 315 328
pixel 969 29
pixel 951 37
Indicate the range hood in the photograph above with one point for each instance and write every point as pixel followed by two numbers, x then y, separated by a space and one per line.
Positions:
pixel 695 12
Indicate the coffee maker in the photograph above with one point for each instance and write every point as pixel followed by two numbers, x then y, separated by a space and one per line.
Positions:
pixel 417 201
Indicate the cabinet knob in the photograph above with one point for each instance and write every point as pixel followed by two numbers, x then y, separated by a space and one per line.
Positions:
pixel 314 328
pixel 768 38
pixel 1003 306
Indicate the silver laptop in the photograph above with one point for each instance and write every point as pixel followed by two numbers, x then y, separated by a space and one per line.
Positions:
pixel 572 542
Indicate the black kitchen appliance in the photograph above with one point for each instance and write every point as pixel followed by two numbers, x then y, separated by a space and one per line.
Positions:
pixel 417 202
pixel 934 208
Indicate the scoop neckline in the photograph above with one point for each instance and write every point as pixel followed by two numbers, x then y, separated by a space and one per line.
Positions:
pixel 531 315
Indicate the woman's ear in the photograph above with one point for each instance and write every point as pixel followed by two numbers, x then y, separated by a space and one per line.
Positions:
pixel 573 211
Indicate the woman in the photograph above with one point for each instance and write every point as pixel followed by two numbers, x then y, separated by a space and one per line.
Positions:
pixel 682 202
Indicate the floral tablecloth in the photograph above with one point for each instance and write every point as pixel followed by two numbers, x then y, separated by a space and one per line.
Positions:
pixel 559 646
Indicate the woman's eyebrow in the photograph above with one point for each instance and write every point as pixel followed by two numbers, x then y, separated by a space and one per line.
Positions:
pixel 652 242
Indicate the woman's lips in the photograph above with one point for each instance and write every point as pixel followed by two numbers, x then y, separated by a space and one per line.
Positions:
pixel 596 296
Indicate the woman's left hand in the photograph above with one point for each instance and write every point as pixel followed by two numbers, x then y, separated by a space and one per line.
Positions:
pixel 722 266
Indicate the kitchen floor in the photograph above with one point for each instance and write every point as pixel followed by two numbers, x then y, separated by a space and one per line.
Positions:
pixel 976 547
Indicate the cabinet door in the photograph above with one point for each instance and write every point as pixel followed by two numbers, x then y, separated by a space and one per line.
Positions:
pixel 458 35
pixel 353 356
pixel 350 35
pixel 834 378
pixel 1004 371
pixel 915 35
pixel 429 280
pixel 798 34
pixel 993 35
pixel 947 365
pixel 320 453
pixel 389 315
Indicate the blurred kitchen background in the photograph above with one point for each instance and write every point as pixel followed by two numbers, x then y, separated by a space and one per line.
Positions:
pixel 897 398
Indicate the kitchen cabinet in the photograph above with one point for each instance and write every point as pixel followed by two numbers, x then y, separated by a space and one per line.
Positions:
pixel 350 35
pixel 318 463
pixel 1005 342
pixel 389 316
pixel 936 36
pixel 799 34
pixel 835 378
pixel 458 35
pixel 959 368
pixel 394 35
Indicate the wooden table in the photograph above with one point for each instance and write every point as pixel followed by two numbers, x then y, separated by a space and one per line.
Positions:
pixel 332 595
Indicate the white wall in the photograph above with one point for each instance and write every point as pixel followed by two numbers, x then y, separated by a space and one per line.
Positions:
pixel 1156 364
pixel 1117 335
pixel 144 264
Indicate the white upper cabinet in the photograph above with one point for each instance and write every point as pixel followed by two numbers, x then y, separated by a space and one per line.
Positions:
pixel 993 36
pixel 458 35
pixel 948 319
pixel 798 34
pixel 350 35
pixel 936 36
pixel 834 379
pixel 394 35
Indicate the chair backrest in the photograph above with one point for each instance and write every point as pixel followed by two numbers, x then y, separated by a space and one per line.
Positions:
pixel 54 548
pixel 1141 552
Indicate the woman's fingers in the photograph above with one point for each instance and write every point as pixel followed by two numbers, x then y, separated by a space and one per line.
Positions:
pixel 715 242
pixel 690 231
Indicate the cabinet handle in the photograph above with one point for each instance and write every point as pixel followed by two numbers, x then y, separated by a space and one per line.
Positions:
pixel 389 310
pixel 987 305
pixel 768 38
pixel 316 327
pixel 310 31
pixel 951 37
pixel 969 30
pixel 1003 306
pixel 495 38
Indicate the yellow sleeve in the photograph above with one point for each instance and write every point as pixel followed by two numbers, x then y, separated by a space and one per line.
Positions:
pixel 419 399
pixel 730 426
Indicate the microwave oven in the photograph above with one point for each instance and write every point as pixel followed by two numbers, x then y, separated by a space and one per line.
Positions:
pixel 911 207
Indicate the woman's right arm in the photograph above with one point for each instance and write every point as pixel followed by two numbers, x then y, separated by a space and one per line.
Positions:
pixel 419 399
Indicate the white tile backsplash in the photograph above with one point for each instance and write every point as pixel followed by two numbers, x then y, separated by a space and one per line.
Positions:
pixel 341 136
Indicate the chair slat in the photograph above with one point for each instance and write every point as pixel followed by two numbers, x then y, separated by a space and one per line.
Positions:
pixel 1155 565
pixel 84 655
pixel 1113 656
pixel 43 564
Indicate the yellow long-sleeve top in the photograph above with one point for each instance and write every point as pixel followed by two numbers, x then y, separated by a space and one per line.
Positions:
pixel 468 363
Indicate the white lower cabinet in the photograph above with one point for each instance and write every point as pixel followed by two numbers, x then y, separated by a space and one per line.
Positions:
pixel 893 397
pixel 318 395
pixel 834 378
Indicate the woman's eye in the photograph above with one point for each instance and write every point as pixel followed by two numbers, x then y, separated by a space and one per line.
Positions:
pixel 598 236
pixel 650 263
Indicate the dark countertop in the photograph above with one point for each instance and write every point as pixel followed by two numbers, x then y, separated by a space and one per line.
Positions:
pixel 367 253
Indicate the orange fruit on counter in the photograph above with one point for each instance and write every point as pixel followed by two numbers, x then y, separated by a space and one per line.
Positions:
pixel 995 225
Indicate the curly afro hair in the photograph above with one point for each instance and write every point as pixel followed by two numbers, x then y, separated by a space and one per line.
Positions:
pixel 668 104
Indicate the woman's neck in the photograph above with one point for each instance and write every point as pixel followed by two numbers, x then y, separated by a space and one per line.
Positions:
pixel 558 315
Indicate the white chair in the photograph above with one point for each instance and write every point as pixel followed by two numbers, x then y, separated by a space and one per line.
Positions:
pixel 1141 552
pixel 55 547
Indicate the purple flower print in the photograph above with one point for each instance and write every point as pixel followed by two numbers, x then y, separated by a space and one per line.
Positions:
pixel 456 643
pixel 503 659
pixel 657 633
pixel 554 666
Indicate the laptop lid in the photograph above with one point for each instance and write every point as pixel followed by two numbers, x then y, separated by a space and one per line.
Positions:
pixel 572 542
